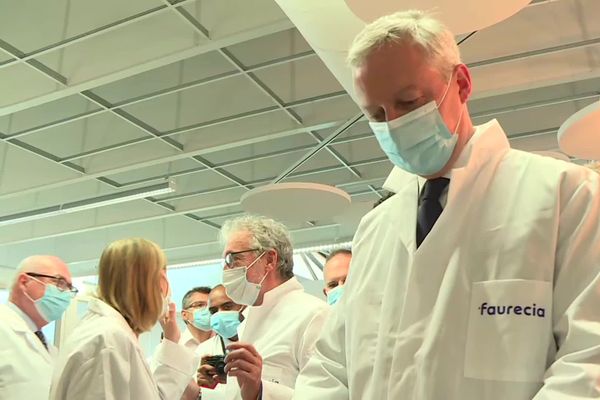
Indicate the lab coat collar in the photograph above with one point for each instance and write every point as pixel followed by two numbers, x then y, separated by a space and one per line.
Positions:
pixel 101 308
pixel 28 322
pixel 272 296
pixel 188 338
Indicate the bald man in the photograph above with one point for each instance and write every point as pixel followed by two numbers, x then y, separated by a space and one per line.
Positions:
pixel 335 272
pixel 41 292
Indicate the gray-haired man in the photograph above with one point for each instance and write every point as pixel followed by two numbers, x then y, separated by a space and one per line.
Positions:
pixel 281 323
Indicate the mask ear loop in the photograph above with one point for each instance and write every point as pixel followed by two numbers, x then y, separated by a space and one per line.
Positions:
pixel 447 89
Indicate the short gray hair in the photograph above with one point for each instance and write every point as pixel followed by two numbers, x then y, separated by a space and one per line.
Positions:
pixel 412 26
pixel 266 234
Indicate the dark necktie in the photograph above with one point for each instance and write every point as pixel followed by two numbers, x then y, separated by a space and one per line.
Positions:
pixel 429 207
pixel 42 338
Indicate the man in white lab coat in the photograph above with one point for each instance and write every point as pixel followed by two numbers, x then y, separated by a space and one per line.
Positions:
pixel 282 322
pixel 41 292
pixel 194 312
pixel 226 317
pixel 483 283
pixel 335 272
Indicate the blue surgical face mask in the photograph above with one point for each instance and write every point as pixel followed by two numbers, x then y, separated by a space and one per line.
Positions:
pixel 334 295
pixel 53 303
pixel 418 142
pixel 225 323
pixel 202 319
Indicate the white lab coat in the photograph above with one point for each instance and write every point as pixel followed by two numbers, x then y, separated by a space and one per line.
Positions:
pixel 518 230
pixel 102 359
pixel 283 330
pixel 25 364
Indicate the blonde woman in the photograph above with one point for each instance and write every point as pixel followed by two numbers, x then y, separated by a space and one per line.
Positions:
pixel 102 358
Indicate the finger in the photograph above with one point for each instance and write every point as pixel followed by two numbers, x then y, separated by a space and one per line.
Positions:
pixel 207 370
pixel 240 345
pixel 241 364
pixel 238 373
pixel 172 311
pixel 242 355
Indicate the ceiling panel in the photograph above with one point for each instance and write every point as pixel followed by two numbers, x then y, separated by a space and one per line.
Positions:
pixel 359 150
pixel 68 107
pixel 157 171
pixel 216 202
pixel 216 16
pixel 118 49
pixel 84 135
pixel 20 82
pixel 240 131
pixel 271 47
pixel 268 148
pixel 141 153
pixel 192 70
pixel 535 71
pixel 20 169
pixel 58 20
pixel 548 24
pixel 215 100
pixel 299 80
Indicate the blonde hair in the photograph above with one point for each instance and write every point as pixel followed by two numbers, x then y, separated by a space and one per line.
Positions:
pixel 594 166
pixel 129 277
pixel 413 27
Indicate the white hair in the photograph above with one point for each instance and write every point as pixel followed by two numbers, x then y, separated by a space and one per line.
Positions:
pixel 412 27
pixel 266 234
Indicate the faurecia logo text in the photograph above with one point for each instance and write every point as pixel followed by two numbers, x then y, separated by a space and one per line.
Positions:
pixel 530 311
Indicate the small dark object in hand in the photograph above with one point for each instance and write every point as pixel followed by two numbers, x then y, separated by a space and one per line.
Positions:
pixel 218 362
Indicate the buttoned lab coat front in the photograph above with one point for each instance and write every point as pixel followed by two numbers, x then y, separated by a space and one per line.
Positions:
pixel 283 330
pixel 102 359
pixel 501 301
pixel 25 364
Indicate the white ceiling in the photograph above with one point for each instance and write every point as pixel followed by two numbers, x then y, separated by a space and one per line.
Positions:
pixel 223 96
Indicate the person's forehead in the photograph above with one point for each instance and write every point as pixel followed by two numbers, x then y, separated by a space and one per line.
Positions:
pixel 337 266
pixel 198 296
pixel 238 241
pixel 217 297
pixel 55 267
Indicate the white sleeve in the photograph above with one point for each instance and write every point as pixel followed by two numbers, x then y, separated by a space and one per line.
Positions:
pixel 324 374
pixel 305 349
pixel 575 371
pixel 173 364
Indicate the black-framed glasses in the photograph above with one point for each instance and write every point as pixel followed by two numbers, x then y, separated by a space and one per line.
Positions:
pixel 232 257
pixel 61 283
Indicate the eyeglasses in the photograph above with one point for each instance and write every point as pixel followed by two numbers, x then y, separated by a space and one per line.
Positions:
pixel 232 257
pixel 61 284
pixel 197 304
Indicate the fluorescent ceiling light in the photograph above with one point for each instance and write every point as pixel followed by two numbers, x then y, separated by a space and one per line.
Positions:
pixel 88 204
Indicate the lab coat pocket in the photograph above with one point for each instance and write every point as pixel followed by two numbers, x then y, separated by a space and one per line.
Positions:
pixel 509 331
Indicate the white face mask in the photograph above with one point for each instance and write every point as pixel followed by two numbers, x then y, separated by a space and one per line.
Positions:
pixel 238 288
pixel 418 142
